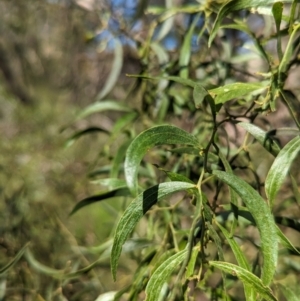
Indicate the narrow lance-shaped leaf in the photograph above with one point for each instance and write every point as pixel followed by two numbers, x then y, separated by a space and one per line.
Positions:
pixel 134 212
pixel 90 130
pixel 235 90
pixel 100 197
pixel 246 277
pixel 14 260
pixel 241 260
pixel 280 168
pixel 116 68
pixel 262 137
pixel 158 135
pixel 162 274
pixel 263 219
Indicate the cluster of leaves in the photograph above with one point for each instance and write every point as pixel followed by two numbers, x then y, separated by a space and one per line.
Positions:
pixel 203 188
pixel 200 231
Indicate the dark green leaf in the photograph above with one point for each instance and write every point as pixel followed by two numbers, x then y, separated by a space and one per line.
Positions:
pixel 158 135
pixel 280 168
pixel 100 197
pixel 134 212
pixel 90 130
pixel 263 219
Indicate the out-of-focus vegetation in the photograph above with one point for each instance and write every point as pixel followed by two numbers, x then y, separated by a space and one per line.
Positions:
pixel 69 114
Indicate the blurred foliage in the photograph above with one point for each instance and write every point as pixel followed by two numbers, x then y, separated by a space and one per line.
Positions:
pixel 68 60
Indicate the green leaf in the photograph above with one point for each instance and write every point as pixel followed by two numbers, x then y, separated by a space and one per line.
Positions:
pixel 200 94
pixel 277 10
pixel 116 68
pixel 235 90
pixel 14 260
pixel 262 137
pixel 90 130
pixel 100 197
pixel 280 168
pixel 289 294
pixel 282 68
pixel 247 278
pixel 103 105
pixel 286 242
pixel 234 5
pixel 263 219
pixel 173 176
pixel 158 135
pixel 161 275
pixel 241 260
pixel 134 212
pixel 185 50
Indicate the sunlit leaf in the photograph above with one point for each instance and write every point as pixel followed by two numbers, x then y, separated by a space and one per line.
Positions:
pixel 116 68
pixel 247 278
pixel 158 135
pixel 100 197
pixel 235 90
pixel 263 219
pixel 280 168
pixel 162 274
pixel 134 212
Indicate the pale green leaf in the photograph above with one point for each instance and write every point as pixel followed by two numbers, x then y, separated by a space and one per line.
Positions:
pixel 116 68
pixel 247 278
pixel 235 90
pixel 158 135
pixel 280 168
pixel 162 274
pixel 103 105
pixel 263 219
pixel 134 212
